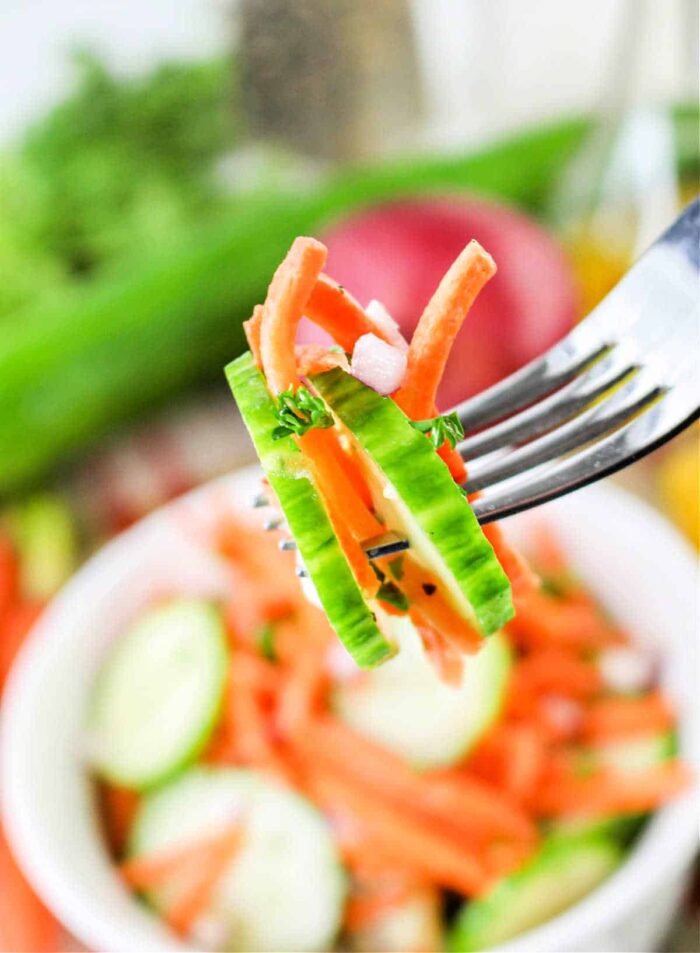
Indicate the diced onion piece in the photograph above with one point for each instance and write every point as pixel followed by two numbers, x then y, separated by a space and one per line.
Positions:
pixel 378 364
pixel 381 318
pixel 626 669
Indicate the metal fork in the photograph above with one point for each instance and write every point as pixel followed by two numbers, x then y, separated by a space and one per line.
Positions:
pixel 623 382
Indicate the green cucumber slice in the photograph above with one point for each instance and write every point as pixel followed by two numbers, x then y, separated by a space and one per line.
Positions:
pixel 563 871
pixel 416 497
pixel 158 694
pixel 284 888
pixel 328 568
pixel 405 707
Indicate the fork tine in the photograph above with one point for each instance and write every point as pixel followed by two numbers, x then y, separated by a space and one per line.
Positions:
pixel 553 410
pixel 676 410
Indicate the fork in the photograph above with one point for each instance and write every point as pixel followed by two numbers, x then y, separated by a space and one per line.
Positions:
pixel 622 383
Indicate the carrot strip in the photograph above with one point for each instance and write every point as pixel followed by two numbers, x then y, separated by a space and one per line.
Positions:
pixel 287 296
pixel 462 804
pixel 443 655
pixel 608 792
pixel 337 486
pixel 183 913
pixel 16 624
pixel 368 906
pixel 244 720
pixel 512 758
pixel 9 574
pixel 522 579
pixel 618 717
pixel 434 855
pixel 118 807
pixel 557 671
pixel 438 327
pixel 300 693
pixel 26 926
pixel 430 606
pixel 337 312
pixel 148 871
pixel 315 359
pixel 545 621
pixel 454 461
pixel 253 333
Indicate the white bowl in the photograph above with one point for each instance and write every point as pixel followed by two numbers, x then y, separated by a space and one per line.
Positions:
pixel 629 556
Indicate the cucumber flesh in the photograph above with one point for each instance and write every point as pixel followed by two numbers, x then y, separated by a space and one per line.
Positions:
pixel 405 707
pixel 158 694
pixel 416 496
pixel 284 888
pixel 563 871
pixel 342 599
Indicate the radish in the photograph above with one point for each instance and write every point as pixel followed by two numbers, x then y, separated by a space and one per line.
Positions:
pixel 398 252
pixel 378 364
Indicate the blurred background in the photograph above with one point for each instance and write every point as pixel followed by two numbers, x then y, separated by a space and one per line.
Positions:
pixel 156 159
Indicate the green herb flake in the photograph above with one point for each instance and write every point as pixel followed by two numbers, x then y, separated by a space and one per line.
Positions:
pixel 299 411
pixel 390 593
pixel 396 568
pixel 440 429
pixel 265 641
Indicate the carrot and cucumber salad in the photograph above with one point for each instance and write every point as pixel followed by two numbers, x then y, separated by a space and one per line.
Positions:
pixel 260 790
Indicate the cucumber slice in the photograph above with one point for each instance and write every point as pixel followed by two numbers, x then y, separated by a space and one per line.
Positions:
pixel 328 568
pixel 405 707
pixel 563 871
pixel 285 887
pixel 412 926
pixel 417 498
pixel 157 697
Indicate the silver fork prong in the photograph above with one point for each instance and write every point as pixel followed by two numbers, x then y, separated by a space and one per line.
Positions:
pixel 272 524
pixel 287 545
pixel 260 500
pixel 624 404
pixel 552 410
pixel 675 411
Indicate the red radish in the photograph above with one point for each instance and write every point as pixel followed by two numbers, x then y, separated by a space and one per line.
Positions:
pixel 378 364
pixel 398 252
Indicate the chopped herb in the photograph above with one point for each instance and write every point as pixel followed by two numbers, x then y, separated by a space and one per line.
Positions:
pixel 390 593
pixel 396 567
pixel 429 588
pixel 298 412
pixel 341 289
pixel 336 349
pixel 265 641
pixel 446 428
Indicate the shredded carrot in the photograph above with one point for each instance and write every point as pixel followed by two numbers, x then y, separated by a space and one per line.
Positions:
pixel 609 792
pixel 438 326
pixel 438 856
pixel 610 719
pixel 369 905
pixel 543 620
pixel 208 871
pixel 316 359
pixel 558 671
pixel 442 654
pixel 253 332
pixel 522 579
pixel 16 624
pixel 337 312
pixel 26 926
pixel 149 871
pixel 9 575
pixel 287 296
pixel 511 757
pixel 454 462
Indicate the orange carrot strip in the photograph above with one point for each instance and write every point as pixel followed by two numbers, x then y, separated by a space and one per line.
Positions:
pixel 338 313
pixel 556 671
pixel 368 906
pixel 183 913
pixel 438 327
pixel 150 870
pixel 454 462
pixel 300 693
pixel 437 856
pixel 443 655
pixel 16 623
pixel 542 620
pixel 618 717
pixel 462 803
pixel 118 807
pixel 430 606
pixel 511 757
pixel 287 296
pixel 337 486
pixel 244 720
pixel 522 578
pixel 9 574
pixel 26 926
pixel 608 792
pixel 316 359
pixel 253 332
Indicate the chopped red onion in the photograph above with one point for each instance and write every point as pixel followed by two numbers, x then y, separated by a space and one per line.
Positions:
pixel 378 364
pixel 384 322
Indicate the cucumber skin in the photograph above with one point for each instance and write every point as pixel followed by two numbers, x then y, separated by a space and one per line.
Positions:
pixel 308 521
pixel 189 755
pixel 408 461
pixel 472 929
